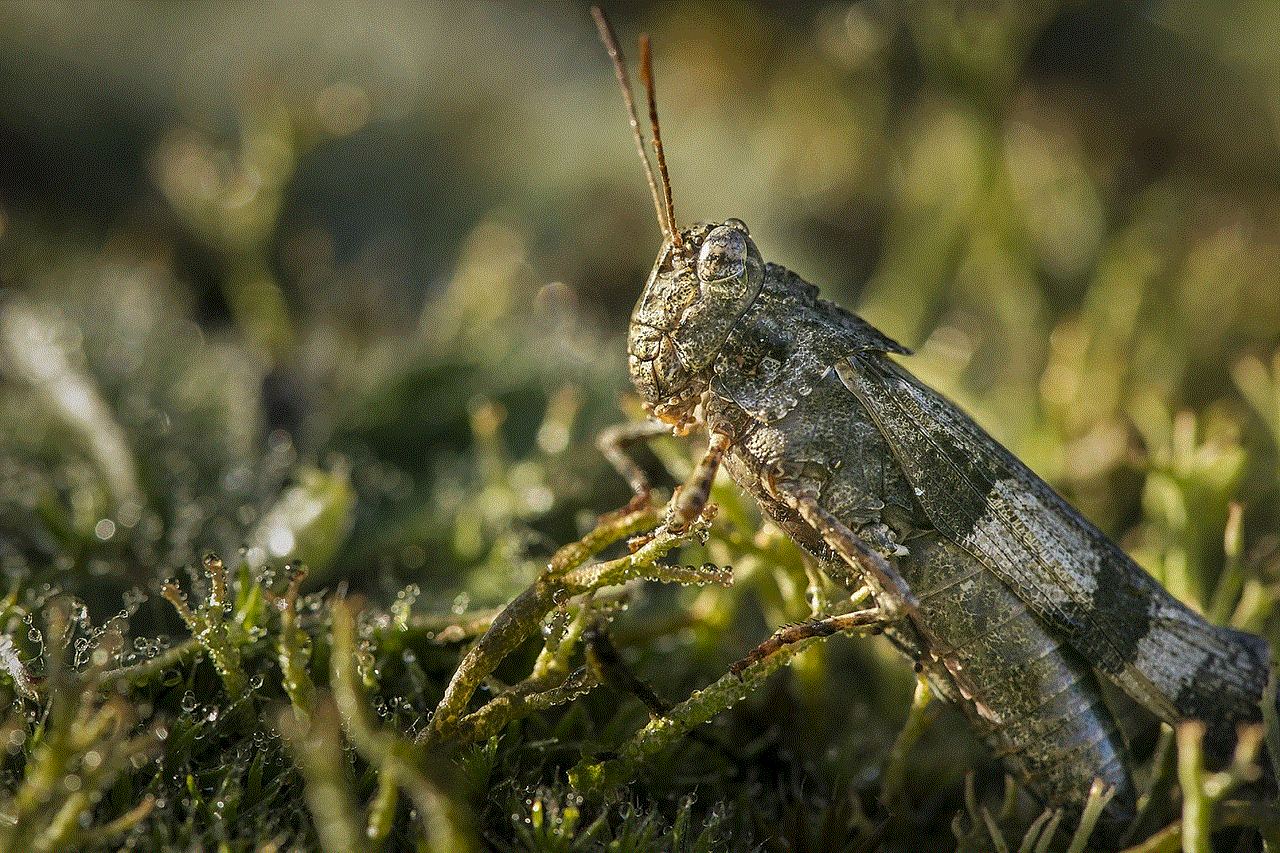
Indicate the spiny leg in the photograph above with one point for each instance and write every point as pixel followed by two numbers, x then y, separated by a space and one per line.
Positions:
pixel 893 597
pixel 616 443
pixel 862 621
pixel 691 499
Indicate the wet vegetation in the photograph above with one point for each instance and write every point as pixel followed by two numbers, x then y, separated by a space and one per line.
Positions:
pixel 309 321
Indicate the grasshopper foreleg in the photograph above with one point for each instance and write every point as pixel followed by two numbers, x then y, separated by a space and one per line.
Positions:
pixel 616 443
pixel 691 499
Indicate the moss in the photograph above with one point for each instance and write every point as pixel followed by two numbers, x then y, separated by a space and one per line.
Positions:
pixel 303 531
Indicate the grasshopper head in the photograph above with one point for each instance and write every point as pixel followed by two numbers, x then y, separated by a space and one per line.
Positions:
pixel 705 277
pixel 698 289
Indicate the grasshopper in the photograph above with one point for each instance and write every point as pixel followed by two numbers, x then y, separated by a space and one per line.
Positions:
pixel 1014 606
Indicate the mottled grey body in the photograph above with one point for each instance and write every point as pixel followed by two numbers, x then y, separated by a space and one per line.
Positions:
pixel 1006 598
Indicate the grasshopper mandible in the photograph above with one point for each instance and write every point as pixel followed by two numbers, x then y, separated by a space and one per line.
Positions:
pixel 1008 600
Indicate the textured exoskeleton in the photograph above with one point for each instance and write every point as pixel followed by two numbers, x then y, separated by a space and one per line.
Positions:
pixel 1008 599
pixel 1014 606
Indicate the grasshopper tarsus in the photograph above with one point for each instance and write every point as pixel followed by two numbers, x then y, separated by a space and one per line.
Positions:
pixel 635 543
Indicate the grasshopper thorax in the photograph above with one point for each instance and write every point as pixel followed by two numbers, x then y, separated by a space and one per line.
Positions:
pixel 699 288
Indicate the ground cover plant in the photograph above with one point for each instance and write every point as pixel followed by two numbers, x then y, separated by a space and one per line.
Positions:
pixel 301 374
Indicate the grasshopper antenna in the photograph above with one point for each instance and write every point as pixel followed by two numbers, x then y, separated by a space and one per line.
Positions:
pixel 646 74
pixel 662 202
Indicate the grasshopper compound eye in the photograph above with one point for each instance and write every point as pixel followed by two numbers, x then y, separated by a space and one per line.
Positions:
pixel 724 252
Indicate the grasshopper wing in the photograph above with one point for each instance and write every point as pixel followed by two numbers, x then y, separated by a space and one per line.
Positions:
pixel 1101 603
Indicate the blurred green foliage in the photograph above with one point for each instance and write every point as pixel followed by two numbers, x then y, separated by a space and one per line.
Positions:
pixel 346 288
